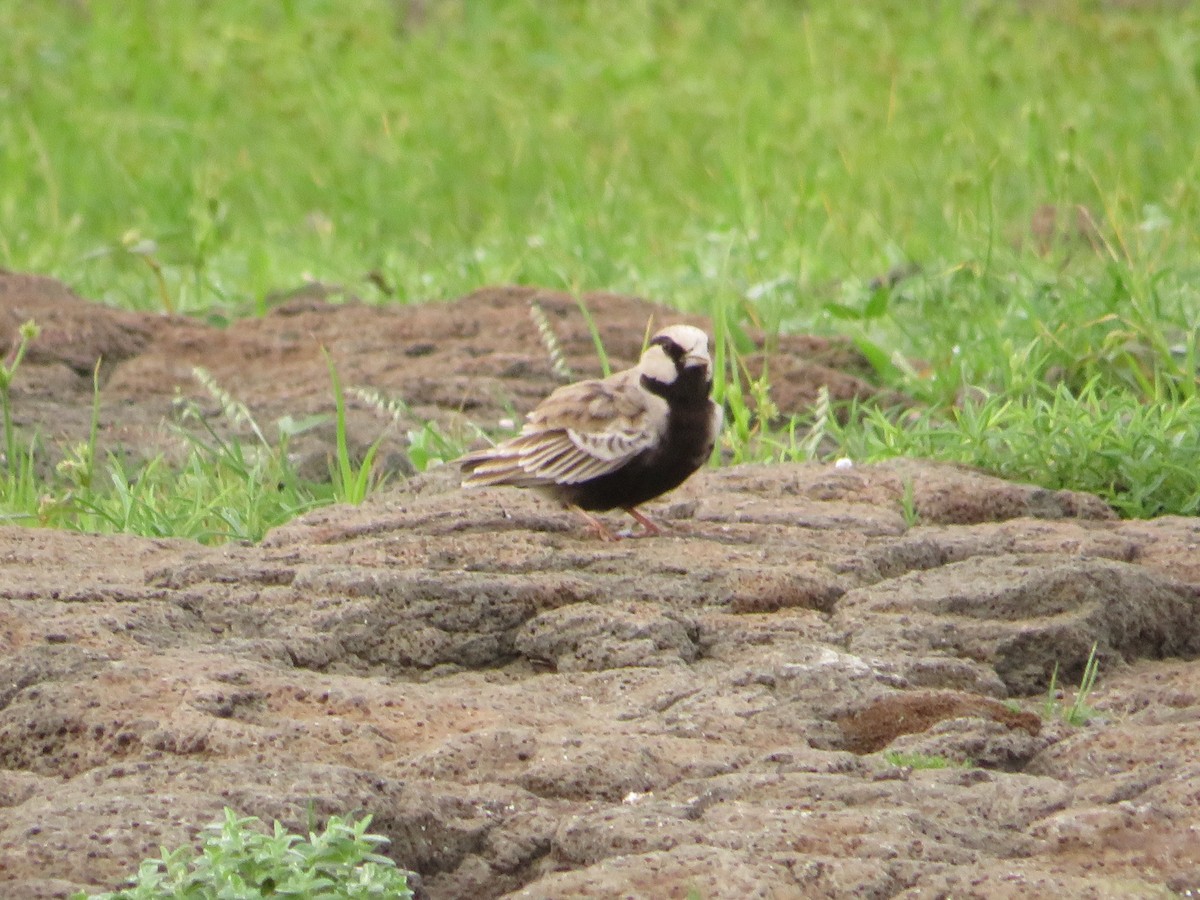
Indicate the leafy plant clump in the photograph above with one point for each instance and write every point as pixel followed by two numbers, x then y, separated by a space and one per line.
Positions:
pixel 239 862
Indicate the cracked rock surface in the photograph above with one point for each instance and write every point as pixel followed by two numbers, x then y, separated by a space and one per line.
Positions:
pixel 527 712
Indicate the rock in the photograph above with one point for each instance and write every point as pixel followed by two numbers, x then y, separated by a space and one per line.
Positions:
pixel 529 712
pixel 1026 614
pixel 978 741
pixel 873 727
pixel 680 873
pixel 588 636
pixel 74 333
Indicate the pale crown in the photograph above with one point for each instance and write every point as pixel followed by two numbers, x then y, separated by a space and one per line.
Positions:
pixel 672 349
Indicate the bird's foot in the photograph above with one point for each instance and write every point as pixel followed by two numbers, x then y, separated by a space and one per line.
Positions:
pixel 594 525
pixel 650 528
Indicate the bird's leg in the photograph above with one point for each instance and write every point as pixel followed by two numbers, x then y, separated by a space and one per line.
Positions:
pixel 649 525
pixel 597 527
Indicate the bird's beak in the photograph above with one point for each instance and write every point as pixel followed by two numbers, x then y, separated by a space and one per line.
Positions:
pixel 692 360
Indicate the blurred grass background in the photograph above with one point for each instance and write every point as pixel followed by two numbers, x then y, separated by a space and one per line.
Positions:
pixel 679 148
pixel 1029 168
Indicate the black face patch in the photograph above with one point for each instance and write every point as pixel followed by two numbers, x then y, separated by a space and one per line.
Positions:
pixel 671 348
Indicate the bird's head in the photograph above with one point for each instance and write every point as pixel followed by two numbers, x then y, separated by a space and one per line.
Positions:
pixel 677 353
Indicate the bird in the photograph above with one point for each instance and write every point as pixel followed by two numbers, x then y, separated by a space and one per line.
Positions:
pixel 615 442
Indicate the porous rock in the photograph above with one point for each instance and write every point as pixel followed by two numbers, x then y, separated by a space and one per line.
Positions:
pixel 526 711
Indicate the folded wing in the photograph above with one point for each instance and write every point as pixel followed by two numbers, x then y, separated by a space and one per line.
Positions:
pixel 580 432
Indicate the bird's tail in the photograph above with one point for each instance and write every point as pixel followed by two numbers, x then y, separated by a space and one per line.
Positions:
pixel 494 466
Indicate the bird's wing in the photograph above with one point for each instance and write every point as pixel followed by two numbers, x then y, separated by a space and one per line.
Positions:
pixel 580 432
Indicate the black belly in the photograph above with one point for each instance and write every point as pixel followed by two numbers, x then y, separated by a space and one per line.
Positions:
pixel 685 448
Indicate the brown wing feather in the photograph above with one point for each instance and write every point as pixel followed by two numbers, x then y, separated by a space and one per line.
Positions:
pixel 581 431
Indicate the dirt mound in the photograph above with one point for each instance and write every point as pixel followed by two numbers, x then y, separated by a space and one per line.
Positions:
pixel 529 712
pixel 468 362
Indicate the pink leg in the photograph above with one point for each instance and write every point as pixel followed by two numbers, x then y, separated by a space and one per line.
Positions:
pixel 595 526
pixel 651 528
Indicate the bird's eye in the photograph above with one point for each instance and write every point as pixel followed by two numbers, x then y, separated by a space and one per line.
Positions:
pixel 671 348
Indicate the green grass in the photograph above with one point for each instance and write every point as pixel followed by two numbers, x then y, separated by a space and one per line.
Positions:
pixel 688 149
pixel 763 162
pixel 1080 712
pixel 220 490
pixel 1139 456
pixel 924 761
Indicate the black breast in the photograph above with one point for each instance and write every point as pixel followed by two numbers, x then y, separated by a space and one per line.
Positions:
pixel 686 446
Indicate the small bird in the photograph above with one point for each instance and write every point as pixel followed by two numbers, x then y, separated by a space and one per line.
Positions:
pixel 614 442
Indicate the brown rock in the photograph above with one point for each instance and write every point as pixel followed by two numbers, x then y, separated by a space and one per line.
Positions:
pixel 528 712
pixel 873 727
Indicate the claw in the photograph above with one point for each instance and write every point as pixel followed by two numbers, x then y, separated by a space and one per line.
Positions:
pixel 650 527
pixel 595 526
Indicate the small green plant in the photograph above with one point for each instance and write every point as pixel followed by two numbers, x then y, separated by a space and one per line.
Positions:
pixel 351 483
pixel 749 407
pixel 77 468
pixel 238 861
pixel 925 761
pixel 429 447
pixel 818 432
pixel 218 489
pixel 27 334
pixel 908 504
pixel 221 491
pixel 1079 712
pixel 597 340
pixel 232 408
